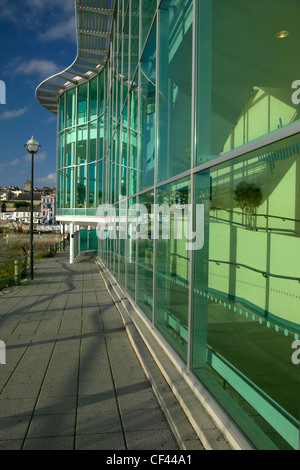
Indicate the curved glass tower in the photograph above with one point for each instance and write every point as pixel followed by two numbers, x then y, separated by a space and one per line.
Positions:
pixel 195 104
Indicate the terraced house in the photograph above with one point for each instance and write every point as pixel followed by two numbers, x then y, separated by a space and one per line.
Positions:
pixel 195 102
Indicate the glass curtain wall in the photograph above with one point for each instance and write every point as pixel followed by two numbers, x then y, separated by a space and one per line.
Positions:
pixel 179 117
pixel 80 146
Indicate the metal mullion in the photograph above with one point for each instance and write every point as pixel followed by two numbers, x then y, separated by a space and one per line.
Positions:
pixel 192 205
pixel 120 170
pixel 155 164
pixel 138 160
pixel 127 185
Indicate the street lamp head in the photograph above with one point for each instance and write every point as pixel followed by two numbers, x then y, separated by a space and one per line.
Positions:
pixel 32 145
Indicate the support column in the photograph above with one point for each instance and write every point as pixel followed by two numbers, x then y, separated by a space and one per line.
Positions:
pixel 72 244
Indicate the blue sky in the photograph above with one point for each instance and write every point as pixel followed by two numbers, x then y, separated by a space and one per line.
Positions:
pixel 37 39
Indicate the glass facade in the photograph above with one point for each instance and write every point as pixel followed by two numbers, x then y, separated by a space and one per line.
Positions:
pixel 195 111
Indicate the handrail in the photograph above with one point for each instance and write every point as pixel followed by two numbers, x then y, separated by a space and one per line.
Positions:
pixel 266 216
pixel 239 265
pixel 253 227
pixel 19 263
pixel 264 273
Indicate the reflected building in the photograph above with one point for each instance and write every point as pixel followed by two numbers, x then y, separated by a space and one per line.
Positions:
pixel 190 102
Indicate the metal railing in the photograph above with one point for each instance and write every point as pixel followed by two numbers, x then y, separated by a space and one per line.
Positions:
pixel 16 269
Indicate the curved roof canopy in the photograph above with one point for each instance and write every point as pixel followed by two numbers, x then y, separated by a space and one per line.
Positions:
pixel 94 19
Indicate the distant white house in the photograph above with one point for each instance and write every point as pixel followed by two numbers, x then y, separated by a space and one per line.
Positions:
pixel 21 216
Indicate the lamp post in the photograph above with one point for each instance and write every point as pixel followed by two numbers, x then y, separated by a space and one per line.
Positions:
pixel 32 147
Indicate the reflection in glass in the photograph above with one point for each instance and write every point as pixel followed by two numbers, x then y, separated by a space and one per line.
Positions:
pixel 172 269
pixel 93 99
pixel 82 104
pixel 131 253
pixel 246 297
pixel 175 88
pixel 145 261
pixel 148 112
pixel 81 187
pixel 244 86
pixel 70 107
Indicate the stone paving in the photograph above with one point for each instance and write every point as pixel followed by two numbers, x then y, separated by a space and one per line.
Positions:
pixel 72 380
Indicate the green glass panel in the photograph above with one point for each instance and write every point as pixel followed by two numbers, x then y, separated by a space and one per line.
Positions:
pixel 244 79
pixel 99 181
pixel 172 268
pixel 100 138
pixel 145 261
pixel 134 48
pixel 60 150
pixel 148 11
pixel 93 99
pixel 70 147
pixel 81 186
pixel 61 113
pixel 148 112
pixel 175 88
pixel 60 189
pixel 101 93
pixel 122 244
pixel 246 303
pixel 92 185
pixel 69 188
pixel 126 37
pixel 83 240
pixel 70 107
pixel 81 144
pixel 92 143
pixel 131 254
pixel 82 104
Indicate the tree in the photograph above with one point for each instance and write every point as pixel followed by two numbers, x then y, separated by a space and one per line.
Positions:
pixel 248 197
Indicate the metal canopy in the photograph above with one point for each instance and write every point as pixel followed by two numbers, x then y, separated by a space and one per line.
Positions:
pixel 94 20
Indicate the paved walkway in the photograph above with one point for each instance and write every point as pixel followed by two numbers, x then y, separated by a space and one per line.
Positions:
pixel 72 379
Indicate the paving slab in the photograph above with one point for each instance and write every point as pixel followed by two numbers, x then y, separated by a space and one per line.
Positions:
pixel 72 380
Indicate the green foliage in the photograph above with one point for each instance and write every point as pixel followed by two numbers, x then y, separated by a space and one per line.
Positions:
pixel 15 249
pixel 247 196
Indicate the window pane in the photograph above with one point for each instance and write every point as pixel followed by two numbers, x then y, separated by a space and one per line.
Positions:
pixel 81 144
pixel 244 85
pixel 60 150
pixel 70 108
pixel 145 261
pixel 100 181
pixel 172 269
pixel 92 185
pixel 135 13
pixel 101 93
pixel 175 87
pixel 148 112
pixel 69 188
pixel 60 189
pixel 93 99
pixel 70 147
pixel 82 104
pixel 131 254
pixel 246 297
pixel 92 141
pixel 61 117
pixel 148 10
pixel 81 187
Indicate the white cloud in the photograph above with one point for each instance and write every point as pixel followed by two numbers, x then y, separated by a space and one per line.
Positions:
pixel 63 30
pixel 42 15
pixel 49 180
pixel 13 114
pixel 44 68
